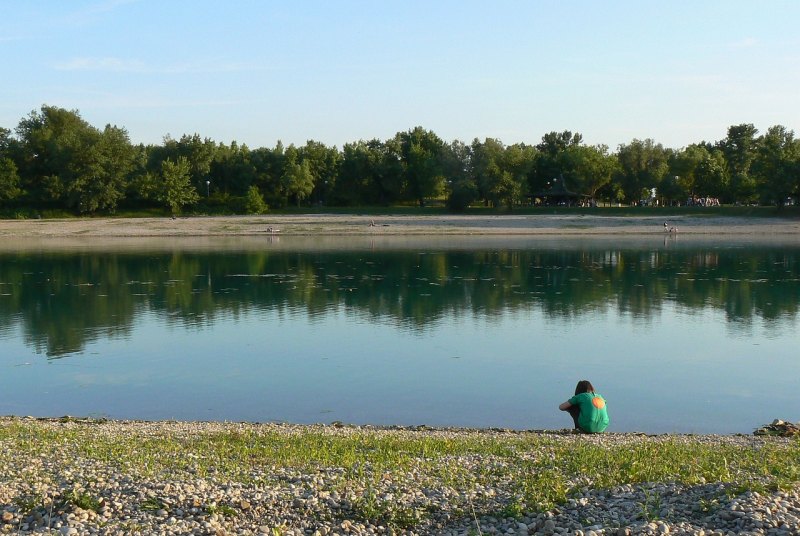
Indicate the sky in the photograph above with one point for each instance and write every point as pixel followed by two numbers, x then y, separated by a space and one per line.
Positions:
pixel 338 71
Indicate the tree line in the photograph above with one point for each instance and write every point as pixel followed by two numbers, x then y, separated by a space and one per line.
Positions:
pixel 54 159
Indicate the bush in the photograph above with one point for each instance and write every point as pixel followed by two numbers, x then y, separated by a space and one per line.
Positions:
pixel 254 202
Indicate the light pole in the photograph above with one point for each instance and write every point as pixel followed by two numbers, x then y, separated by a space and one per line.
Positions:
pixel 208 188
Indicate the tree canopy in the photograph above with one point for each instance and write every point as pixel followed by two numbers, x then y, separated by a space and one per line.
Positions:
pixel 53 159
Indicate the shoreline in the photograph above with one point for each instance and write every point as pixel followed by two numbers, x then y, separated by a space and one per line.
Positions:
pixel 90 476
pixel 398 225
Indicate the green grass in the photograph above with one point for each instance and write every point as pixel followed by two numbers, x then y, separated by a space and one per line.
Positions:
pixel 412 210
pixel 539 470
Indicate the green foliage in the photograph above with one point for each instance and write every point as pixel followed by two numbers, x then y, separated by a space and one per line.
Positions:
pixel 176 189
pixel 298 180
pixel 28 503
pixel 371 509
pixel 9 180
pixel 80 499
pixel 514 509
pixel 152 504
pixel 462 193
pixel 777 165
pixel 711 176
pixel 651 506
pixel 254 202
pixel 420 153
pixel 56 160
pixel 221 509
pixel 642 165
pixel 740 150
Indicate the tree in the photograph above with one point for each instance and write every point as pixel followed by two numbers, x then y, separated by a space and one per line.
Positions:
pixel 66 161
pixel 642 165
pixel 254 203
pixel 711 177
pixel 740 148
pixel 456 161
pixel 487 169
pixel 56 157
pixel 199 153
pixel 9 180
pixel 551 161
pixel 517 162
pixel 108 168
pixel 268 166
pixel 420 154
pixel 670 189
pixel 777 165
pixel 683 164
pixel 588 168
pixel 231 170
pixel 297 177
pixel 323 162
pixel 177 189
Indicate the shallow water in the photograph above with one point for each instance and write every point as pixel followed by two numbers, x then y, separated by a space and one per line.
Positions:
pixel 684 336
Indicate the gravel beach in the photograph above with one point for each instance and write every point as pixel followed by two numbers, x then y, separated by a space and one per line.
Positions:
pixel 55 479
pixel 366 225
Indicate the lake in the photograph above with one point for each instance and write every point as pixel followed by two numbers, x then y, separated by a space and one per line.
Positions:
pixel 679 335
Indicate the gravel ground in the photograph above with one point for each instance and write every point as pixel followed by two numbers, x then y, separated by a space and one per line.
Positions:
pixel 316 501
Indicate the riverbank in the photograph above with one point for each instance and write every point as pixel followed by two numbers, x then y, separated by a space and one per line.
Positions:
pixel 73 476
pixel 366 225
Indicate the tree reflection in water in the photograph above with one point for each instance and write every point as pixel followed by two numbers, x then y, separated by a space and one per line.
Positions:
pixel 62 301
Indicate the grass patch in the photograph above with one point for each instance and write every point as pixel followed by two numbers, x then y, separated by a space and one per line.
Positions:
pixel 535 471
pixel 409 210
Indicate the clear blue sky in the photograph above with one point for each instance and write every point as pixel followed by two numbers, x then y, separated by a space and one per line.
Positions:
pixel 338 71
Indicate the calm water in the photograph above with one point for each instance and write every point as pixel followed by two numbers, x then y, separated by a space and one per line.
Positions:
pixel 677 335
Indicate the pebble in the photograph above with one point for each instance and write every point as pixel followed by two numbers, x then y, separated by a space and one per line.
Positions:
pixel 324 501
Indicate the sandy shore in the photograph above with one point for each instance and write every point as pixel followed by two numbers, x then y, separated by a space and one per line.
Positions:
pixel 363 225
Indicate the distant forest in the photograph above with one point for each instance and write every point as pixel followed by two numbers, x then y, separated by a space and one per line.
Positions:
pixel 54 160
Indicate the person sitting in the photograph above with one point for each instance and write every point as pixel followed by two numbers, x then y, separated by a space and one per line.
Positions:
pixel 587 408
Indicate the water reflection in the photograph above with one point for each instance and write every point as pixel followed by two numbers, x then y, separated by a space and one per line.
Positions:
pixel 61 301
pixel 481 332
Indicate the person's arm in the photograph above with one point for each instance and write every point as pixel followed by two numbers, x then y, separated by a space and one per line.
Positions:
pixel 565 406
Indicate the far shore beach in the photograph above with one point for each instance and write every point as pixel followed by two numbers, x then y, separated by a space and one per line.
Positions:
pixel 401 225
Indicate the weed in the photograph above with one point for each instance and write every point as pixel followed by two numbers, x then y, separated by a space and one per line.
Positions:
pixel 373 510
pixel 28 503
pixel 515 509
pixel 651 506
pixel 708 506
pixel 80 499
pixel 152 504
pixel 221 509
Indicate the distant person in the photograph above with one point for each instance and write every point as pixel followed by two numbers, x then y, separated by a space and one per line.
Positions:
pixel 587 408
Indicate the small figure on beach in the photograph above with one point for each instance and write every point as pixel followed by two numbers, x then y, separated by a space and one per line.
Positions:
pixel 666 227
pixel 587 408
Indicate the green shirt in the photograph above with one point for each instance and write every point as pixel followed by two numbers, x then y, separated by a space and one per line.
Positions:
pixel 594 414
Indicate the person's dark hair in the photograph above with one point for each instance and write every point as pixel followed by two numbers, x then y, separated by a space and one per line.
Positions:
pixel 584 386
